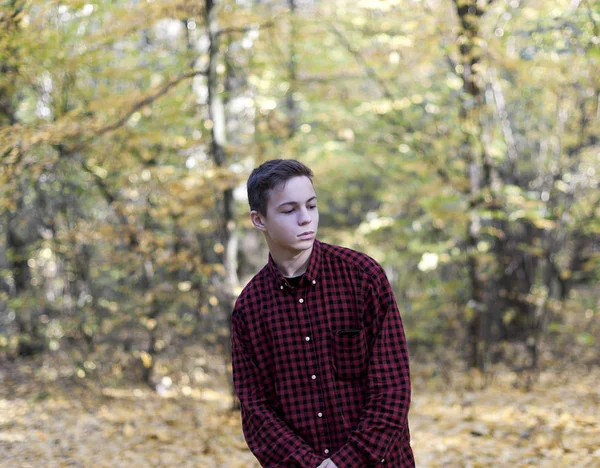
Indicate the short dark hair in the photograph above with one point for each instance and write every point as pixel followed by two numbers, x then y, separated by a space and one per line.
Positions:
pixel 270 174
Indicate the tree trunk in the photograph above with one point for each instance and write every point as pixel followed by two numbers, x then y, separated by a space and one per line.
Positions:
pixel 479 172
pixel 292 65
pixel 226 235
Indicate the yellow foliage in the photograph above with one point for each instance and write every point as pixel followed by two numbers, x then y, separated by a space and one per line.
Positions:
pixel 146 359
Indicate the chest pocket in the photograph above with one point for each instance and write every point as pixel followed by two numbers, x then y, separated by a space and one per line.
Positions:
pixel 350 353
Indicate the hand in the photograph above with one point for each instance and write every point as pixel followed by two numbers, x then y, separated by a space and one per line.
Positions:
pixel 327 464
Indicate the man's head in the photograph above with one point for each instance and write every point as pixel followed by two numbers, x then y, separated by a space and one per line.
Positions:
pixel 269 175
pixel 283 206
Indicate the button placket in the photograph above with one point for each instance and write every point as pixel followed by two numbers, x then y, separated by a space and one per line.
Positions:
pixel 311 357
pixel 307 339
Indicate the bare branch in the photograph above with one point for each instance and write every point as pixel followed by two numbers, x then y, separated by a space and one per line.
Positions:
pixel 504 121
pixel 370 71
pixel 148 100
pixel 361 60
pixel 245 29
pixel 591 16
pixel 110 201
pixel 323 78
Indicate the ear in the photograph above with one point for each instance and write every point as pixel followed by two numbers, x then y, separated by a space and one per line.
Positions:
pixel 257 220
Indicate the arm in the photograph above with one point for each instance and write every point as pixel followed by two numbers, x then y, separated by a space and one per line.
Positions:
pixel 269 438
pixel 384 417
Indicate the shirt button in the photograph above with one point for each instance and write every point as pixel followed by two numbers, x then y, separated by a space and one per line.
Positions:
pixel 314 282
pixel 301 300
pixel 383 460
pixel 314 377
pixel 307 338
pixel 326 451
pixel 320 415
pixel 281 287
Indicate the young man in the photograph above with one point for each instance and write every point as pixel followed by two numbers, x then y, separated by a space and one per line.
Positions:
pixel 320 363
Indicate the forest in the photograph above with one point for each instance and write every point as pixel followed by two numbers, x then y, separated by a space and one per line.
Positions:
pixel 454 141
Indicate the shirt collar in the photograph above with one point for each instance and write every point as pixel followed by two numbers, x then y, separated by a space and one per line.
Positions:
pixel 311 274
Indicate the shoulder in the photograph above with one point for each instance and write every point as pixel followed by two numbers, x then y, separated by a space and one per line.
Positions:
pixel 353 259
pixel 251 293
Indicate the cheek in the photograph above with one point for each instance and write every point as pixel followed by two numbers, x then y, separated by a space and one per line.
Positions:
pixel 287 224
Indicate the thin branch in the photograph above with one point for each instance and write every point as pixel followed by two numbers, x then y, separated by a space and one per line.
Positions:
pixel 504 121
pixel 370 71
pixel 245 29
pixel 322 78
pixel 361 60
pixel 110 201
pixel 137 106
pixel 14 133
pixel 591 16
pixel 149 100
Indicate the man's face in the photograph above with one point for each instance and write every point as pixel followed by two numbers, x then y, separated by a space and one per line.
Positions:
pixel 292 216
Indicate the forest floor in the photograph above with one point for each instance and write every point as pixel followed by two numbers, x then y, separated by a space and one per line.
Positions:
pixel 461 421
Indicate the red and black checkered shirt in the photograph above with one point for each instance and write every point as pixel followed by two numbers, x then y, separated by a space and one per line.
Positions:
pixel 321 370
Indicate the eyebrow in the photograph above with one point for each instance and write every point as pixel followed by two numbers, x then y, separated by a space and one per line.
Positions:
pixel 296 203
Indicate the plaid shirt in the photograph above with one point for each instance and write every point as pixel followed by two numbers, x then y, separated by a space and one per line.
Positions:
pixel 321 370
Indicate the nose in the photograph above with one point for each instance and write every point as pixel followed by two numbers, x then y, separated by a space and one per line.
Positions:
pixel 304 217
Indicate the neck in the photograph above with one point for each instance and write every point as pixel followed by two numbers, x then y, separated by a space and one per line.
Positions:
pixel 291 265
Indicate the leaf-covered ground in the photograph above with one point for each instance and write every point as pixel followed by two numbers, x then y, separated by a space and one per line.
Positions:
pixel 454 423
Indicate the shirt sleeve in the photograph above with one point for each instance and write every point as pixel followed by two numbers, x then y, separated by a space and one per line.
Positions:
pixel 384 418
pixel 269 438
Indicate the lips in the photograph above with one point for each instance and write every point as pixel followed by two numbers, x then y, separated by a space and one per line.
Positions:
pixel 307 234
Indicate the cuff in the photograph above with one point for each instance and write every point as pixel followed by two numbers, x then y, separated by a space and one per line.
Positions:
pixel 306 458
pixel 351 457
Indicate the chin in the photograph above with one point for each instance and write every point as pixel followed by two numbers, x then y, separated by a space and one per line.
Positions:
pixel 306 244
pixel 302 244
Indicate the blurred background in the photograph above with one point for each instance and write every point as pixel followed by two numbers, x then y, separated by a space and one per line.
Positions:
pixel 455 141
